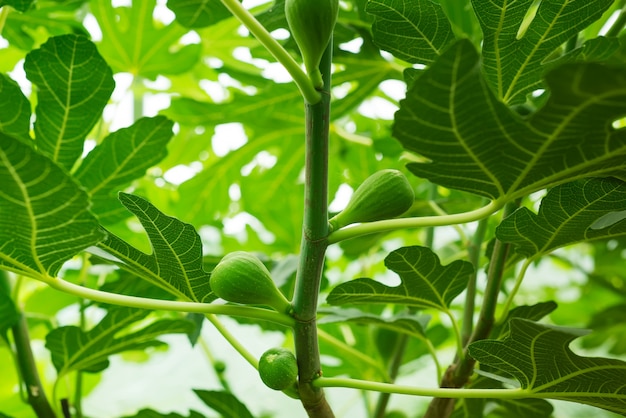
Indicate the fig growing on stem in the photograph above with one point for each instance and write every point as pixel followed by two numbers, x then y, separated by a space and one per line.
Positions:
pixel 311 23
pixel 241 277
pixel 278 368
pixel 383 195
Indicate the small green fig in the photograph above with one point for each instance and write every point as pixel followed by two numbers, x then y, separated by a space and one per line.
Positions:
pixel 278 368
pixel 311 23
pixel 383 195
pixel 241 277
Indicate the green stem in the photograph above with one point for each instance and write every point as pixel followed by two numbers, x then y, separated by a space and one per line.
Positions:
pixel 4 13
pixel 233 341
pixel 619 24
pixel 518 282
pixel 457 335
pixel 28 371
pixel 459 373
pixel 396 361
pixel 219 371
pixel 406 223
pixel 78 391
pixel 137 87
pixel 310 94
pixel 313 248
pixel 470 296
pixel 338 382
pixel 350 352
pixel 167 305
pixel 27 367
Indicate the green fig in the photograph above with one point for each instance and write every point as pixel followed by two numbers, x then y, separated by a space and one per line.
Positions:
pixel 383 195
pixel 241 277
pixel 278 368
pixel 311 23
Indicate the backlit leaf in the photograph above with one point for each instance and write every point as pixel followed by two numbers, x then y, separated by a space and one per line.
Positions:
pixel 198 13
pixel 50 209
pixel 514 54
pixel 539 357
pixel 224 403
pixel 133 42
pixel 425 282
pixel 123 156
pixel 403 323
pixel 14 110
pixel 73 84
pixel 150 413
pixel 475 143
pixel 568 214
pixel 73 349
pixel 176 261
pixel 416 32
pixel 21 5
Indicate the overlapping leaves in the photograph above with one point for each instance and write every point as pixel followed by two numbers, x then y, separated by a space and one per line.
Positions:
pixel 44 217
pixel 538 356
pixel 73 84
pixel 568 214
pixel 476 143
pixel 176 261
pixel 122 157
pixel 133 42
pixel 425 283
pixel 73 349
pixel 513 57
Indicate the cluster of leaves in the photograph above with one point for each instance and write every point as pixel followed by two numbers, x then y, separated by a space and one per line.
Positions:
pixel 503 101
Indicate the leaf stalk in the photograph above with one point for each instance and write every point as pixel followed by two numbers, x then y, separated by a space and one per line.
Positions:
pixel 407 223
pixel 310 94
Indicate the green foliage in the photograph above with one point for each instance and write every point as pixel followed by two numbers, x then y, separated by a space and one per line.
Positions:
pixel 425 282
pixel 538 356
pixel 176 261
pixel 147 142
pixel 73 349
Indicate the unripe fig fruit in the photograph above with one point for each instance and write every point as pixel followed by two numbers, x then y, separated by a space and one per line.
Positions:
pixel 311 23
pixel 383 195
pixel 241 277
pixel 278 368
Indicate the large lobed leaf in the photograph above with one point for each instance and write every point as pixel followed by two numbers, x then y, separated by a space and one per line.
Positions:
pixel 416 32
pixel 569 213
pixel 476 143
pixel 134 42
pixel 44 217
pixel 514 57
pixel 539 357
pixel 176 261
pixel 73 349
pixel 14 110
pixel 122 156
pixel 73 84
pixel 425 283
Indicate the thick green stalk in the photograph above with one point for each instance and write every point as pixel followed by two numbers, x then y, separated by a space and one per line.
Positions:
pixel 26 363
pixel 313 248
pixel 474 257
pixel 459 373
pixel 28 371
